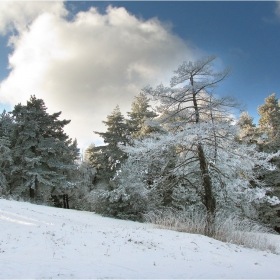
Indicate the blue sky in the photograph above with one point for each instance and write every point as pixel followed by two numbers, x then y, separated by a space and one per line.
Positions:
pixel 243 35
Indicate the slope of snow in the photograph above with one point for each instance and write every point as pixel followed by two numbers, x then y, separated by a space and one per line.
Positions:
pixel 45 242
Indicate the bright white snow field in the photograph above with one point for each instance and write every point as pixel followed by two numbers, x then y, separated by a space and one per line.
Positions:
pixel 45 242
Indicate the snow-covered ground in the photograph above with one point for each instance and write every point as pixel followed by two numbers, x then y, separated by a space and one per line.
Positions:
pixel 45 242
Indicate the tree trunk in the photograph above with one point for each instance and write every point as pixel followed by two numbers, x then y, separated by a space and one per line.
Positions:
pixel 214 131
pixel 209 199
pixel 210 202
pixel 65 201
pixel 32 193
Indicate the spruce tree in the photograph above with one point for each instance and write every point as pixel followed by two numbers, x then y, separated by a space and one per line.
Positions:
pixel 5 165
pixel 6 124
pixel 269 123
pixel 247 129
pixel 6 130
pixel 138 117
pixel 107 158
pixel 269 141
pixel 270 112
pixel 87 153
pixel 43 154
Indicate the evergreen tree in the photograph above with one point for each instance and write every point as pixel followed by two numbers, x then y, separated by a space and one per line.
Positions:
pixel 6 125
pixel 6 130
pixel 138 117
pixel 87 153
pixel 43 154
pixel 5 165
pixel 79 194
pixel 247 129
pixel 270 112
pixel 130 198
pixel 107 158
pixel 269 141
pixel 269 123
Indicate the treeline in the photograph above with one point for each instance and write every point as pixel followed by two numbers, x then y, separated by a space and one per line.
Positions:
pixel 187 153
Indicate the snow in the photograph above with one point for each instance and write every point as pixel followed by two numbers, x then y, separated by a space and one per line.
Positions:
pixel 45 242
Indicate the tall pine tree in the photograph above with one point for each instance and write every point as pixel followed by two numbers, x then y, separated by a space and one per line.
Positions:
pixel 43 154
pixel 269 141
pixel 247 129
pixel 6 129
pixel 107 158
pixel 138 117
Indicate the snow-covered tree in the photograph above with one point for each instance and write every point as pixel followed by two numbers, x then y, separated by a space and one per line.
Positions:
pixel 6 124
pixel 184 103
pixel 269 123
pixel 269 141
pixel 235 183
pixel 79 195
pixel 247 129
pixel 106 158
pixel 129 198
pixel 138 116
pixel 43 154
pixel 270 112
pixel 6 130
pixel 87 153
pixel 5 165
pixel 201 131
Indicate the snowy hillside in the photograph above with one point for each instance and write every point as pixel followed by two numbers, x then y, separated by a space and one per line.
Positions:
pixel 44 242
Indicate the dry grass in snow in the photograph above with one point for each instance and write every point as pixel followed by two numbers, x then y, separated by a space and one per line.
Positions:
pixel 232 229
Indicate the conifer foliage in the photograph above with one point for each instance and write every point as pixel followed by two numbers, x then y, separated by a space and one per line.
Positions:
pixel 120 133
pixel 247 129
pixel 265 136
pixel 138 116
pixel 269 141
pixel 107 158
pixel 6 161
pixel 43 155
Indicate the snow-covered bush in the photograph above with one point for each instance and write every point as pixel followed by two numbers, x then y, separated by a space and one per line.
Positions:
pixel 127 196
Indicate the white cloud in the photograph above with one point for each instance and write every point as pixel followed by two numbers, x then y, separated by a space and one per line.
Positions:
pixel 19 14
pixel 85 67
